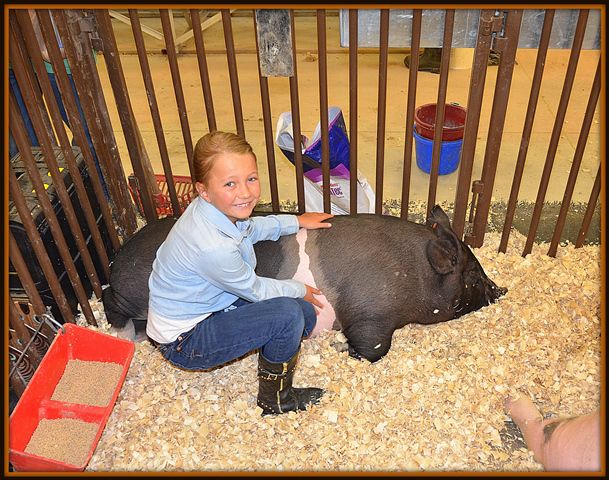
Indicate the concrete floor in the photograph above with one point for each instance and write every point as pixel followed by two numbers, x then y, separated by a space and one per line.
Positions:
pixel 307 67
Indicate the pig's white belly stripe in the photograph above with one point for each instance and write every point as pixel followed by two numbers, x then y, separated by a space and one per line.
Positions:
pixel 326 316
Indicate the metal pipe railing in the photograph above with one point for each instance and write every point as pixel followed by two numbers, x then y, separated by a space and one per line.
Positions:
pixel 580 30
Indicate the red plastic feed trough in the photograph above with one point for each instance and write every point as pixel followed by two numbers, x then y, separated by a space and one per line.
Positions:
pixel 36 402
pixel 454 121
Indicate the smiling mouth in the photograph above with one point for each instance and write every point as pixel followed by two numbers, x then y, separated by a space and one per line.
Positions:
pixel 242 205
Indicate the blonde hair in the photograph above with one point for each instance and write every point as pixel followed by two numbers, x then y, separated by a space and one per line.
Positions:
pixel 213 144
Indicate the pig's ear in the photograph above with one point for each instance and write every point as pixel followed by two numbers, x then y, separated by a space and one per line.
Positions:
pixel 437 215
pixel 442 256
pixel 443 252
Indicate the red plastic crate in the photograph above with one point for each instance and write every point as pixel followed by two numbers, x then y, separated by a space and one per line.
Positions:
pixel 77 343
pixel 162 201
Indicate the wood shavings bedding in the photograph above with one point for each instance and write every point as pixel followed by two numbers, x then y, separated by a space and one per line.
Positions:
pixel 433 403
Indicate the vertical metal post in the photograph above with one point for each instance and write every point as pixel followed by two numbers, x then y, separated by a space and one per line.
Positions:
pixel 581 236
pixel 203 70
pixel 154 110
pixel 507 46
pixel 382 109
pixel 177 86
pixel 415 43
pixel 449 21
pixel 232 70
pixel 528 126
pixel 323 106
pixel 77 47
pixel 580 30
pixel 296 124
pixel 268 127
pixel 353 47
pixel 577 160
pixel 488 24
pixel 125 111
pixel 70 105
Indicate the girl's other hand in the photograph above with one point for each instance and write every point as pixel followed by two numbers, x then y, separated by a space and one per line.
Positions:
pixel 314 220
pixel 310 297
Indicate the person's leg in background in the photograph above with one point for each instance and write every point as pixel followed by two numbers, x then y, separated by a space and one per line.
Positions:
pixel 13 150
pixel 64 116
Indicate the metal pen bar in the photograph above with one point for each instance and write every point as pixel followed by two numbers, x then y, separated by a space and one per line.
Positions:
pixel 583 231
pixel 449 21
pixel 24 274
pixel 177 87
pixel 353 47
pixel 323 106
pixel 203 70
pixel 577 161
pixel 125 112
pixel 528 127
pixel 268 127
pixel 33 235
pixel 415 43
pixel 472 119
pixel 18 62
pixel 296 124
pixel 580 30
pixel 498 113
pixel 154 109
pixel 76 126
pixel 47 208
pixel 382 109
pixel 77 46
pixel 16 322
pixel 37 62
pixel 232 70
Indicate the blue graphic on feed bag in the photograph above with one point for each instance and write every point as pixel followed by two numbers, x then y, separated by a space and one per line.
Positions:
pixel 311 150
pixel 340 176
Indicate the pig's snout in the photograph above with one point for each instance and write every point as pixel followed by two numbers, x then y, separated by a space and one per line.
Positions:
pixel 492 292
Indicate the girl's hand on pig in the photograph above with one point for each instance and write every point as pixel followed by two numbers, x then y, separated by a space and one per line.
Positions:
pixel 310 297
pixel 314 220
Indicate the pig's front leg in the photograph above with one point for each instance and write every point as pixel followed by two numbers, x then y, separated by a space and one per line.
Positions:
pixel 367 340
pixel 559 444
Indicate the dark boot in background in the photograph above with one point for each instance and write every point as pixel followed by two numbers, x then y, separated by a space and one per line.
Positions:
pixel 275 392
pixel 429 60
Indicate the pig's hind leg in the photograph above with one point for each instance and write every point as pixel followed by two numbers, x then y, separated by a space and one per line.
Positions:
pixel 119 310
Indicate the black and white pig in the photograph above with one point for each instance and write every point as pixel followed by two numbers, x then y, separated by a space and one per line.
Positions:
pixel 377 273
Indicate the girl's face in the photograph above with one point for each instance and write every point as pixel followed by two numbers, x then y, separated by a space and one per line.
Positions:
pixel 232 185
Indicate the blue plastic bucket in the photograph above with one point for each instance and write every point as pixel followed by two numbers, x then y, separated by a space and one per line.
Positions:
pixel 450 153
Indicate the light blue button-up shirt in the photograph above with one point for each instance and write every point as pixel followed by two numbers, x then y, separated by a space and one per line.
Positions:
pixel 207 262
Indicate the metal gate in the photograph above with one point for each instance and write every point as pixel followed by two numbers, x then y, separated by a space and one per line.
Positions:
pixel 88 217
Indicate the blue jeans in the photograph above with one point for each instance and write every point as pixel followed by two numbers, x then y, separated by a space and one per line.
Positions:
pixel 275 326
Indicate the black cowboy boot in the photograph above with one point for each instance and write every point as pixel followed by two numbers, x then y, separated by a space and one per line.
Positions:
pixel 275 392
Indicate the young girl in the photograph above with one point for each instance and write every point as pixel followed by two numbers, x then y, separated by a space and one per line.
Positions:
pixel 207 305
